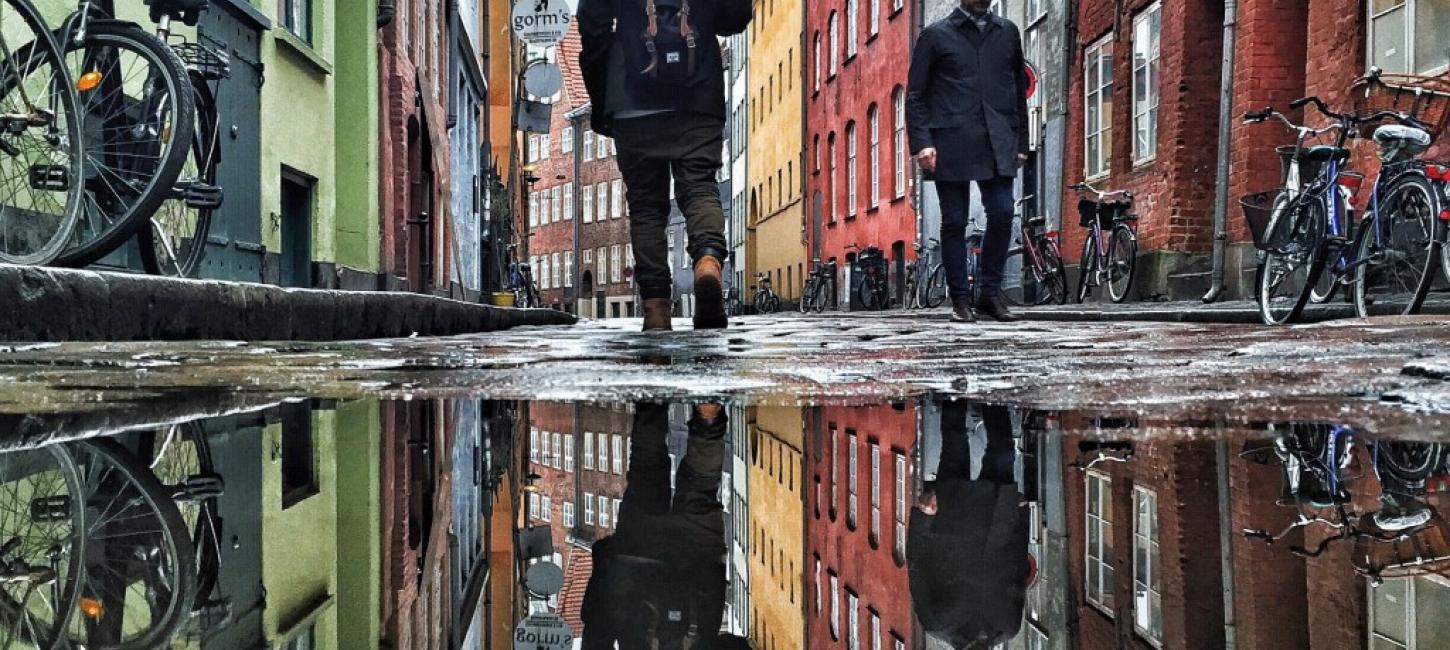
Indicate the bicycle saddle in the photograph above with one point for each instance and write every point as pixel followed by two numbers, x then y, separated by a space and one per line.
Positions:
pixel 1400 142
pixel 186 11
pixel 1325 152
pixel 1036 221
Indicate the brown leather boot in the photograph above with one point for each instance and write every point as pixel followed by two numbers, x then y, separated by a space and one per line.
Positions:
pixel 709 295
pixel 657 315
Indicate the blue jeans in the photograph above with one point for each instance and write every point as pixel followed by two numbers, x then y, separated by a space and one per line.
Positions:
pixel 956 216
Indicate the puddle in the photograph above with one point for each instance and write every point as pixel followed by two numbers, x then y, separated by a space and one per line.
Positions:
pixel 922 523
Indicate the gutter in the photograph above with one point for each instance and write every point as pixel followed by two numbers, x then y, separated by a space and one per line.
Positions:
pixel 1225 127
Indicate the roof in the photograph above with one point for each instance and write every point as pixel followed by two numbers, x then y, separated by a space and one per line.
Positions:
pixel 576 579
pixel 575 94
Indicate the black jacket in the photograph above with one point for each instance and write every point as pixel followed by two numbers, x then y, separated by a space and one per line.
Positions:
pixel 967 97
pixel 611 84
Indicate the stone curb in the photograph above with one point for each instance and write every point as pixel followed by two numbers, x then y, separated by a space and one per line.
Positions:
pixel 46 304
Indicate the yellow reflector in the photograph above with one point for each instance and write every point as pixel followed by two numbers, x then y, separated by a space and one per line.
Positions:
pixel 92 608
pixel 88 81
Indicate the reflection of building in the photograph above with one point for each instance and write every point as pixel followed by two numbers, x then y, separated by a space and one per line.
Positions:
pixel 857 504
pixel 775 479
pixel 775 241
pixel 735 496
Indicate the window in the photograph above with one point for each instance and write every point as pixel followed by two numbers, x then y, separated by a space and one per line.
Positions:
pixel 897 5
pixel 566 140
pixel 900 508
pixel 568 514
pixel 299 470
pixel 835 180
pixel 850 169
pixel 1147 596
pixel 835 29
pixel 875 450
pixel 533 445
pixel 614 259
pixel 898 104
pixel 601 200
pixel 603 511
pixel 546 508
pixel 588 145
pixel 816 62
pixel 835 606
pixel 305 640
pixel 588 509
pixel 899 643
pixel 558 449
pixel 853 621
pixel 544 284
pixel 617 206
pixel 588 205
pixel 544 146
pixel 568 439
pixel 544 454
pixel 1409 35
pixel 1098 122
pixel 618 454
pixel 1409 613
pixel 568 192
pixel 1099 580
pixel 557 269
pixel 615 511
pixel 875 627
pixel 533 505
pixel 874 121
pixel 552 204
pixel 533 153
pixel 603 464
pixel 851 479
pixel 853 26
pixel 1036 9
pixel 818 586
pixel 533 209
pixel 588 443
pixel 1146 29
pixel 601 272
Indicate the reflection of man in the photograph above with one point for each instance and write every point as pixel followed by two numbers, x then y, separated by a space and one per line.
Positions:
pixel 659 580
pixel 966 542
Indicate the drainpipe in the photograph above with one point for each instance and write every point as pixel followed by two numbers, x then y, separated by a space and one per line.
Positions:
pixel 1225 125
pixel 386 11
pixel 1225 541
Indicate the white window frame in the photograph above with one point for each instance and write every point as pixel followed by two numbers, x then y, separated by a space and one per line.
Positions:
pixel 588 441
pixel 533 444
pixel 544 146
pixel 568 269
pixel 601 274
pixel 875 450
pixel 898 101
pixel 875 23
pixel 851 178
pixel 566 140
pixel 818 586
pixel 568 514
pixel 1099 536
pixel 544 284
pixel 616 205
pixel 556 268
pixel 601 199
pixel 873 119
pixel 853 28
pixel 1408 42
pixel 1410 612
pixel 602 464
pixel 567 193
pixel 546 508
pixel 835 33
pixel 875 624
pixel 533 505
pixel 816 65
pixel 853 621
pixel 852 480
pixel 588 205
pixel 614 264
pixel 568 437
pixel 1147 580
pixel 1147 44
pixel 603 511
pixel 835 606
pixel 588 145
pixel 1094 91
pixel 533 209
pixel 835 178
pixel 588 509
pixel 617 457
pixel 899 539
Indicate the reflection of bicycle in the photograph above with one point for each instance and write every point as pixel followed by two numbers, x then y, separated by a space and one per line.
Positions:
pixel 181 460
pixel 926 278
pixel 41 546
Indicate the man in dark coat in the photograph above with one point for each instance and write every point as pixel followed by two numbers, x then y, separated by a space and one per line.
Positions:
pixel 665 107
pixel 659 581
pixel 966 116
pixel 966 541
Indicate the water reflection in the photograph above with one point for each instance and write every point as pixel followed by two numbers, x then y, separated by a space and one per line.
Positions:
pixel 916 524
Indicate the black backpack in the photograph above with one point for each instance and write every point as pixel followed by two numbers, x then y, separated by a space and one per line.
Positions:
pixel 666 53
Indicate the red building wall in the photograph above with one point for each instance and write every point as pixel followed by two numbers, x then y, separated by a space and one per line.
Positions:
pixel 869 78
pixel 869 568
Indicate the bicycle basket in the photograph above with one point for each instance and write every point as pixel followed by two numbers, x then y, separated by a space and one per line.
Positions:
pixel 186 11
pixel 211 64
pixel 1258 212
pixel 1087 211
pixel 1425 98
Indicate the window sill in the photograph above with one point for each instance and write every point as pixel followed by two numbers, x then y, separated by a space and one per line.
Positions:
pixel 302 50
pixel 896 11
pixel 898 199
pixel 873 209
pixel 870 38
pixel 851 57
pixel 1144 164
pixel 1097 177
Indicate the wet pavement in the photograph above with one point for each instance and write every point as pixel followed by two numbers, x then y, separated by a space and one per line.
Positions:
pixel 845 482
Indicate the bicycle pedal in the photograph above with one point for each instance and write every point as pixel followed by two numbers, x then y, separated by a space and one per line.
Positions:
pixel 200 196
pixel 50 509
pixel 53 178
pixel 1334 243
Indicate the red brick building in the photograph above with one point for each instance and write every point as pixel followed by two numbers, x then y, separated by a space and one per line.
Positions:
pixel 578 237
pixel 857 157
pixel 1144 102
pixel 413 147
pixel 857 504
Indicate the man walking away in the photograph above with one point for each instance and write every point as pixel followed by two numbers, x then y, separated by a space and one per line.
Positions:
pixel 656 84
pixel 966 116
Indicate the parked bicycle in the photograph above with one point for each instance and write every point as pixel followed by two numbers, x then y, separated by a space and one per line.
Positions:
pixel 521 282
pixel 765 301
pixel 1110 252
pixel 926 282
pixel 1044 275
pixel 1307 228
pixel 820 290
pixel 872 291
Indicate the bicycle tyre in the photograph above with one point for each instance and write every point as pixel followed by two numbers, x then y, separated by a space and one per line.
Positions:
pixel 181 459
pixel 96 459
pixel 936 287
pixel 53 73
pixel 1054 271
pixel 974 265
pixel 807 293
pixel 867 295
pixel 203 158
pixel 1304 219
pixel 27 465
pixel 1410 462
pixel 1086 268
pixel 1408 224
pixel 1122 262
pixel 103 228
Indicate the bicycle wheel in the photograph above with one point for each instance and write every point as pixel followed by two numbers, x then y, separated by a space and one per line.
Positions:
pixel 1087 267
pixel 138 119
pixel 41 546
pixel 40 140
pixel 1054 272
pixel 1287 273
pixel 140 570
pixel 867 295
pixel 174 243
pixel 1394 270
pixel 974 265
pixel 936 287
pixel 807 293
pixel 825 289
pixel 1027 284
pixel 1122 262
pixel 773 302
pixel 181 460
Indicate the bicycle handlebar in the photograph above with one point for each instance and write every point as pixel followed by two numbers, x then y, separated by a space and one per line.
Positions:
pixel 1318 105
pixel 1087 187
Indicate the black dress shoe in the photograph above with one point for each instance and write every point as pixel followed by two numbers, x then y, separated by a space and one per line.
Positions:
pixel 962 313
pixel 995 307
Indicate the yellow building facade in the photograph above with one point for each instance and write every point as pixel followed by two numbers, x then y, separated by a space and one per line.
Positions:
pixel 775 243
pixel 777 528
